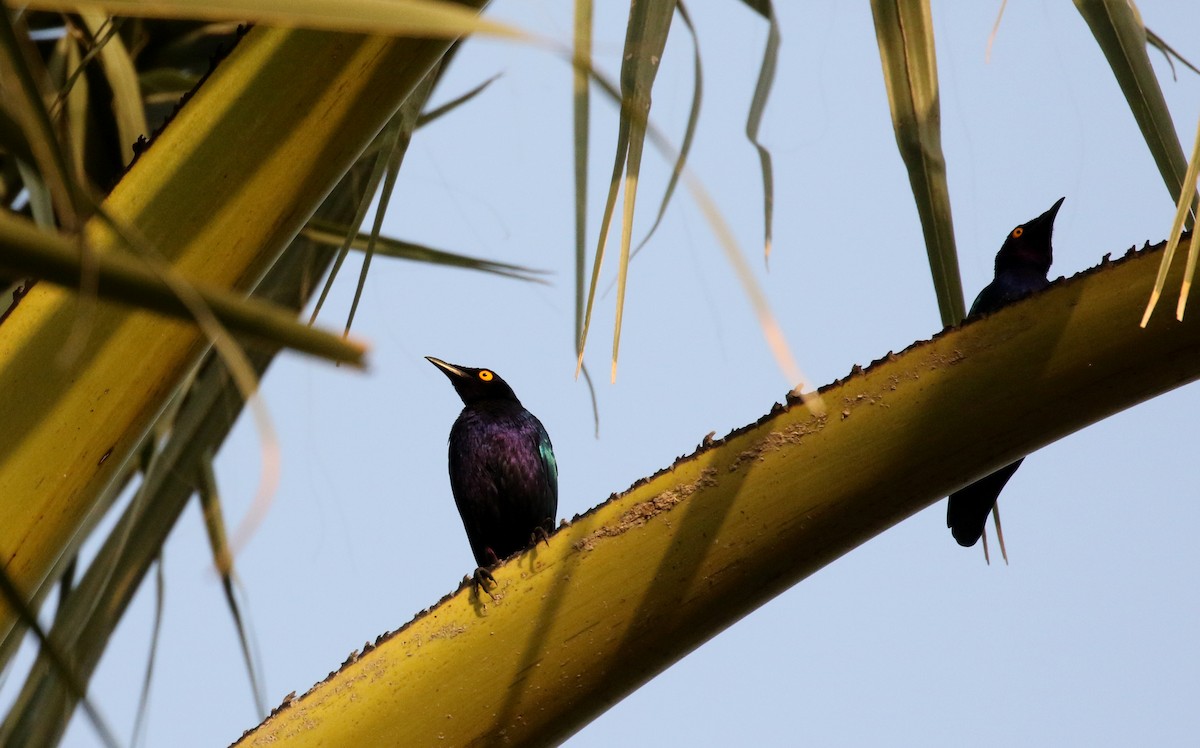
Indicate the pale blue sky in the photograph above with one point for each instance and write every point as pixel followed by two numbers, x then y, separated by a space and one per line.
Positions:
pixel 1088 637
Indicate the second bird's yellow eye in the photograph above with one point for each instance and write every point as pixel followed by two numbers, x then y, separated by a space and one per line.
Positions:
pixel 1016 234
pixel 486 375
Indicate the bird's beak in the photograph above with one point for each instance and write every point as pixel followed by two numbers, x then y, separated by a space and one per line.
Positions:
pixel 1048 216
pixel 449 370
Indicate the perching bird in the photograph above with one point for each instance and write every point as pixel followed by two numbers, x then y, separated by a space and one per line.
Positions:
pixel 1021 268
pixel 502 468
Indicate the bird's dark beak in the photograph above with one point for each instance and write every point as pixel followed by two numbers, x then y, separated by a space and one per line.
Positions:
pixel 450 370
pixel 1047 218
pixel 1041 228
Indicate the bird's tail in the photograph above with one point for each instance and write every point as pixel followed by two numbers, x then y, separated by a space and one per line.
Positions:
pixel 968 508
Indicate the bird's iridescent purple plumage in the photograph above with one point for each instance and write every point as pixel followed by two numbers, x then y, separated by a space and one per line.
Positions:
pixel 502 469
pixel 1022 268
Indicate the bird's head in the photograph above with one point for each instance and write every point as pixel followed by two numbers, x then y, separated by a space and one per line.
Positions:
pixel 1028 245
pixel 475 385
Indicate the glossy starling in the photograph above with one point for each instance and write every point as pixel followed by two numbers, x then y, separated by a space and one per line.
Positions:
pixel 1021 268
pixel 502 468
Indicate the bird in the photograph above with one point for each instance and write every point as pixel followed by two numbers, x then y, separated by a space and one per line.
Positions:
pixel 503 473
pixel 1022 267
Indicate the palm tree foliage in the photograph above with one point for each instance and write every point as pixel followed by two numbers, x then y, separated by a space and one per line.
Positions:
pixel 159 221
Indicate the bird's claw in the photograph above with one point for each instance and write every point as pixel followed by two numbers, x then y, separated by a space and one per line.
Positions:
pixel 480 579
pixel 539 533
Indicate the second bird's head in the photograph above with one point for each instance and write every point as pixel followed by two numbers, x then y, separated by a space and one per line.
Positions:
pixel 475 385
pixel 1028 245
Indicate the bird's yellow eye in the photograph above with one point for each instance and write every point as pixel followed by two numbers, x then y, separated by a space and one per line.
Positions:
pixel 486 375
pixel 1016 234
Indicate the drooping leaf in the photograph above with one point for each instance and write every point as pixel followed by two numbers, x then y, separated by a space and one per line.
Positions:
pixel 1156 41
pixel 1183 215
pixel 689 132
pixel 214 525
pixel 1119 31
pixel 436 113
pixel 580 121
pixel 386 136
pixel 770 327
pixel 143 707
pixel 331 234
pixel 393 156
pixel 904 31
pixel 758 105
pixel 645 39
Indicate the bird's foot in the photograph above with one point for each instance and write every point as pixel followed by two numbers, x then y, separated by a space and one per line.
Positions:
pixel 480 579
pixel 539 534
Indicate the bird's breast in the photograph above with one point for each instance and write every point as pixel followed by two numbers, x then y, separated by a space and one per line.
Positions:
pixel 503 446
